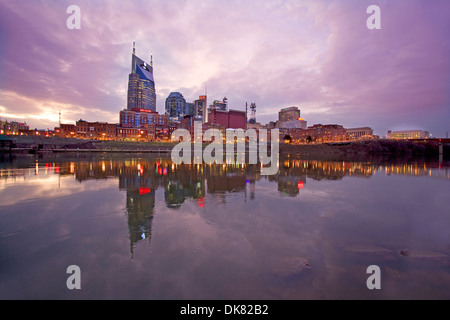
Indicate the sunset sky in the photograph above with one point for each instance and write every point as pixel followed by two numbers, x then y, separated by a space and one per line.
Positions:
pixel 317 55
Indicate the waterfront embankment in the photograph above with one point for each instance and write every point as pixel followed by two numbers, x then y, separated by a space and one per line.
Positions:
pixel 330 151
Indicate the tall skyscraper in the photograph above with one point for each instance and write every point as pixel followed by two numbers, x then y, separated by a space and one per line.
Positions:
pixel 141 85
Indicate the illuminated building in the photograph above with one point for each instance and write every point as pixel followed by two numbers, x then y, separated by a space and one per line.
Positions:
pixel 141 85
pixel 95 130
pixel 13 127
pixel 358 133
pixel 141 118
pixel 140 124
pixel 200 106
pixel 288 114
pixel 407 134
pixel 289 118
pixel 318 132
pixel 175 105
pixel 66 130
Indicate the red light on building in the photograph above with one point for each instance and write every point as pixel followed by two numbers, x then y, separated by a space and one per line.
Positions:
pixel 144 190
pixel 300 185
pixel 202 97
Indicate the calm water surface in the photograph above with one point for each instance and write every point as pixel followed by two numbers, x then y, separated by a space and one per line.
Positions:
pixel 140 227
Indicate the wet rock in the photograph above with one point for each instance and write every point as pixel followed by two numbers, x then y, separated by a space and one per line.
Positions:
pixel 404 252
pixel 288 266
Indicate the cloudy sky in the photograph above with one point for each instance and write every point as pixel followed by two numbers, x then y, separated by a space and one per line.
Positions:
pixel 315 54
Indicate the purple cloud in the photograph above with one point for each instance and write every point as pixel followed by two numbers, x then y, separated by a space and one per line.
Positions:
pixel 317 55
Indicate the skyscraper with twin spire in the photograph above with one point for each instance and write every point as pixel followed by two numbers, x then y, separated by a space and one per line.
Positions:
pixel 141 85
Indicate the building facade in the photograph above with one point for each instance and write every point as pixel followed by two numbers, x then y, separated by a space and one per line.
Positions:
pixel 291 124
pixel 141 125
pixel 200 106
pixel 141 84
pixel 288 114
pixel 66 130
pixel 189 109
pixel 95 130
pixel 407 134
pixel 318 133
pixel 141 118
pixel 359 133
pixel 175 105
pixel 231 119
pixel 12 127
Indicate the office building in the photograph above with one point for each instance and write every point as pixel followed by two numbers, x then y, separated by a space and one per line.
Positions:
pixel 189 109
pixel 359 133
pixel 200 106
pixel 288 114
pixel 141 85
pixel 407 134
pixel 175 105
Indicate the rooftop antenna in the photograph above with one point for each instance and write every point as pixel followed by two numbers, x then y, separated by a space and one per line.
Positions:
pixel 134 47
pixel 60 118
pixel 253 113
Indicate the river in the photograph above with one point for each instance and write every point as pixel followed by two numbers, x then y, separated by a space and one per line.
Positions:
pixel 140 227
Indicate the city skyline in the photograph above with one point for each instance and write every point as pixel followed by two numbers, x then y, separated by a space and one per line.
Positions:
pixel 316 55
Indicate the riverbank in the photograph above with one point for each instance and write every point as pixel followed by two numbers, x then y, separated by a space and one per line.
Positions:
pixel 366 150
pixel 359 150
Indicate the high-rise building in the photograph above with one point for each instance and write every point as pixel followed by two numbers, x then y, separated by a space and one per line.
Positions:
pixel 288 114
pixel 289 118
pixel 175 105
pixel 189 109
pixel 200 106
pixel 141 85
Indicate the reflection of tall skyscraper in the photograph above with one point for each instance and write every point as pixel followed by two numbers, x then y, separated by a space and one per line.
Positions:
pixel 140 207
pixel 141 85
pixel 138 180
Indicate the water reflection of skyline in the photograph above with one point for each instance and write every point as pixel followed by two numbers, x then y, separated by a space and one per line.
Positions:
pixel 140 177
